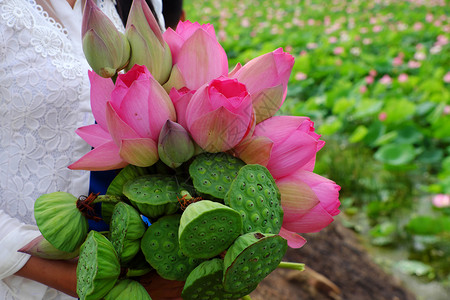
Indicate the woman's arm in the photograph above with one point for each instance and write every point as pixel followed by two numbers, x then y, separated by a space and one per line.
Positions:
pixel 57 274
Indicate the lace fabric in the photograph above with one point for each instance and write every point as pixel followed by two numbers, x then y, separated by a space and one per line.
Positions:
pixel 44 98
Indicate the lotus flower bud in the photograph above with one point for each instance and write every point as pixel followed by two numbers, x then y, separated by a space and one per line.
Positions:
pixel 106 49
pixel 174 146
pixel 147 43
pixel 40 247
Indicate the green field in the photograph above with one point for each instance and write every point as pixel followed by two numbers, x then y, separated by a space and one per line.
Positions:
pixel 374 76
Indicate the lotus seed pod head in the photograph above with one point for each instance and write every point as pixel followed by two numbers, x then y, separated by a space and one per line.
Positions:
pixel 208 228
pixel 126 230
pixel 106 49
pixel 127 289
pixel 175 145
pixel 98 267
pixel 60 221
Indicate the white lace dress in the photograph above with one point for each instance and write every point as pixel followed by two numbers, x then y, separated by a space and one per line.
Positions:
pixel 44 97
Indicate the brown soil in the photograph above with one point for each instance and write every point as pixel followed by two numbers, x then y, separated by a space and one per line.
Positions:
pixel 337 267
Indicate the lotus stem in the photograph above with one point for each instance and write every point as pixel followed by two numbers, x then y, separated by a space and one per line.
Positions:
pixel 292 266
pixel 108 198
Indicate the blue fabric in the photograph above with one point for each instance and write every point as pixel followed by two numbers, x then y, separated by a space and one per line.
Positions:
pixel 98 183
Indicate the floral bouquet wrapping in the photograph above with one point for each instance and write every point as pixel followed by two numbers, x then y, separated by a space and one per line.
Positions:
pixel 213 187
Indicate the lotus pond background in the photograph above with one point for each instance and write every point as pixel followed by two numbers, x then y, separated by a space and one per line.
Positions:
pixel 374 76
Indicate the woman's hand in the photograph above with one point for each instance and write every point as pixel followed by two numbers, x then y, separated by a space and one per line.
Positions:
pixel 160 288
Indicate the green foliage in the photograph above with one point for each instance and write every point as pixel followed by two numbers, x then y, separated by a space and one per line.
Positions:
pixel 374 78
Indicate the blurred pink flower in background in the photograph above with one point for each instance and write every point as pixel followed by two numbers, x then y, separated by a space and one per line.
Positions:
pixel 414 64
pixel 300 76
pixel 441 200
pixel 338 50
pixel 367 41
pixel 377 28
pixel 245 22
pixel 311 22
pixel 447 77
pixel 363 89
pixel 311 45
pixel 418 26
pixel 386 79
pixel 373 73
pixel 429 18
pixel 446 110
pixel 382 116
pixel 402 77
pixel 355 51
pixel 332 39
pixel 397 61
pixel 369 79
pixel 420 56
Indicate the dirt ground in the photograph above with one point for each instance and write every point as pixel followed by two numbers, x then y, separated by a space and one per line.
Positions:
pixel 337 268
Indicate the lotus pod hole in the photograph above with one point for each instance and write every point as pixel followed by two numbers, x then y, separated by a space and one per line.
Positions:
pixel 205 282
pixel 251 258
pixel 154 195
pixel 161 249
pixel 255 195
pixel 60 221
pixel 126 230
pixel 128 173
pixel 98 267
pixel 127 289
pixel 212 173
pixel 208 228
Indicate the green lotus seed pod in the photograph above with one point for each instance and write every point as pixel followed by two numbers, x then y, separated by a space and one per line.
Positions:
pixel 138 266
pixel 60 221
pixel 127 289
pixel 161 249
pixel 255 195
pixel 205 282
pixel 126 230
pixel 154 195
pixel 212 173
pixel 98 267
pixel 251 258
pixel 208 228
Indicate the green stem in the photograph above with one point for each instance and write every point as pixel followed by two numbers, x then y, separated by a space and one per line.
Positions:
pixel 108 198
pixel 246 298
pixel 292 266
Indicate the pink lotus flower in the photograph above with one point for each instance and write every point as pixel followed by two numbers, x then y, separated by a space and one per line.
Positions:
pixel 220 114
pixel 266 78
pixel 309 203
pixel 283 144
pixel 402 77
pixel 441 200
pixel 197 56
pixel 129 118
pixel 386 79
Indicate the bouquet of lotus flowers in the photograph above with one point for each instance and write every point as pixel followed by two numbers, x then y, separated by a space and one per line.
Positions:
pixel 213 187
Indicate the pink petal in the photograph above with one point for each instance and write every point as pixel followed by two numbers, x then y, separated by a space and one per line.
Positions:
pixel 101 89
pixel 267 102
pixel 102 158
pixel 295 241
pixel 141 152
pixel 201 59
pixel 297 199
pixel 235 69
pixel 94 135
pixel 317 219
pixel 296 151
pixel 279 128
pixel 255 150
pixel 219 130
pixel 180 100
pixel 175 42
pixel 118 129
